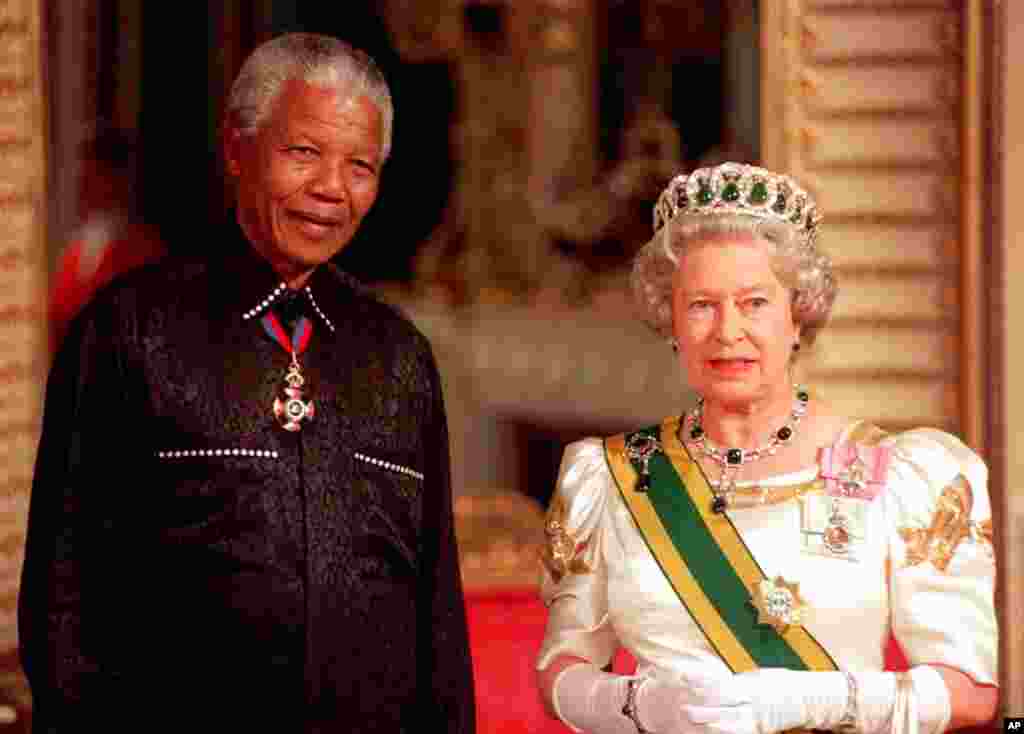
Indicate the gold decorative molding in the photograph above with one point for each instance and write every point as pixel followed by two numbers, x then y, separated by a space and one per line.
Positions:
pixel 23 211
pixel 850 7
pixel 501 538
pixel 915 377
pixel 917 35
pixel 973 349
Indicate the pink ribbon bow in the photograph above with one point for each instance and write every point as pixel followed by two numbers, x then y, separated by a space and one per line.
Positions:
pixel 854 470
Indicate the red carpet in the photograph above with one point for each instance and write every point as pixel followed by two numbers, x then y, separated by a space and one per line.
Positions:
pixel 505 630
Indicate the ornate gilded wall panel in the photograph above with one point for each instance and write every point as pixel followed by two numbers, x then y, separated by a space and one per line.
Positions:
pixel 880 106
pixel 877 4
pixel 1003 92
pixel 877 143
pixel 894 350
pixel 22 286
pixel 823 91
pixel 914 33
pixel 868 98
pixel 882 192
pixel 882 244
pixel 898 402
pixel 893 297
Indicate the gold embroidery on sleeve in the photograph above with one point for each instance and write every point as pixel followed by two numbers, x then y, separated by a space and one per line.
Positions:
pixel 982 532
pixel 951 523
pixel 561 554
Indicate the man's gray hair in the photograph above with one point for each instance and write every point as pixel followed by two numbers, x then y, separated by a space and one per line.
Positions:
pixel 319 60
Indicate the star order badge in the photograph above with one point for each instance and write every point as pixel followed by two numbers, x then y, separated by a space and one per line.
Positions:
pixel 778 603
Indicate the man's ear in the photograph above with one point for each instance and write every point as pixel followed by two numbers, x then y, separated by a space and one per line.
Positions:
pixel 231 141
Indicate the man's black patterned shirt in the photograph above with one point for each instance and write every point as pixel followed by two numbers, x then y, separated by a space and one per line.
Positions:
pixel 189 560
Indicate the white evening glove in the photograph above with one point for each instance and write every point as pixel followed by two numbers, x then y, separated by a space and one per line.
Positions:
pixel 588 699
pixel 773 700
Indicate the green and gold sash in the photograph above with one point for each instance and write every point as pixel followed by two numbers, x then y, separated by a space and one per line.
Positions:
pixel 704 558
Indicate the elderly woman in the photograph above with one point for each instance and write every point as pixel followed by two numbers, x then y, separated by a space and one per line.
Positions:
pixel 756 553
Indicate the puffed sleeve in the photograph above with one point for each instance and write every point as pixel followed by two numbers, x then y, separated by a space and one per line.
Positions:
pixel 574 577
pixel 943 568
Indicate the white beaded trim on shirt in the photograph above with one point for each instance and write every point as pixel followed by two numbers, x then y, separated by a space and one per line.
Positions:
pixel 262 305
pixel 312 300
pixel 209 453
pixel 389 465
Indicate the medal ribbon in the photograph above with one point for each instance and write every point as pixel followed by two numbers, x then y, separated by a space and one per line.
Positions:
pixel 299 340
pixel 704 558
pixel 293 408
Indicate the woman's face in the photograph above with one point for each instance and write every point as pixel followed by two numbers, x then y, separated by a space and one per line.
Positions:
pixel 733 320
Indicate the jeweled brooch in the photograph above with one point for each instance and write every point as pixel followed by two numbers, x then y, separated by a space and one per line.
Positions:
pixel 641 448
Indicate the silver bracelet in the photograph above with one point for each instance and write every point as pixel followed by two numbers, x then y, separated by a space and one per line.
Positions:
pixel 629 708
pixel 848 724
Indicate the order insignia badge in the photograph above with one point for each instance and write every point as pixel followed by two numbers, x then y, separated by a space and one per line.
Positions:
pixel 778 603
pixel 835 523
pixel 836 527
pixel 837 532
pixel 293 407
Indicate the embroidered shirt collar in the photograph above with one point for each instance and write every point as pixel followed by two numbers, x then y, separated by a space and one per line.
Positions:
pixel 259 286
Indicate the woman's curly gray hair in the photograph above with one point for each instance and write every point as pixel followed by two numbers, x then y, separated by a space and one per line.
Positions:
pixel 797 264
pixel 316 59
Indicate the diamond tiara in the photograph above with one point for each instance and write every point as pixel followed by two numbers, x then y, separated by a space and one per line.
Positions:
pixel 736 188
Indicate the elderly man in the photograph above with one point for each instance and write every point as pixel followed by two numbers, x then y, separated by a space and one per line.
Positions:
pixel 241 513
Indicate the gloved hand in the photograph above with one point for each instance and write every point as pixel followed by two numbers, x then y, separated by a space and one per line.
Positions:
pixel 766 701
pixel 588 699
pixel 774 700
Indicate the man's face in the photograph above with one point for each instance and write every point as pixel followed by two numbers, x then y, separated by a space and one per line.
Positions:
pixel 308 177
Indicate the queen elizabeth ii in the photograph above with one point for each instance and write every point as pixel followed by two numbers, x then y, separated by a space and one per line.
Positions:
pixel 756 553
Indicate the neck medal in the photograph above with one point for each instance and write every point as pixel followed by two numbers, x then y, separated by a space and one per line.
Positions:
pixel 292 406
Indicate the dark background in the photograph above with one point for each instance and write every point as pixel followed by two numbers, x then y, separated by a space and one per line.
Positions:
pixel 181 186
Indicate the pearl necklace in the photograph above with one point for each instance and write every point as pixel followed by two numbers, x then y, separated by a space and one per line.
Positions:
pixel 732 459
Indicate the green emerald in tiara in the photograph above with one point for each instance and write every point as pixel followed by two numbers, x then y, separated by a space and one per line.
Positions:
pixel 759 193
pixel 737 187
